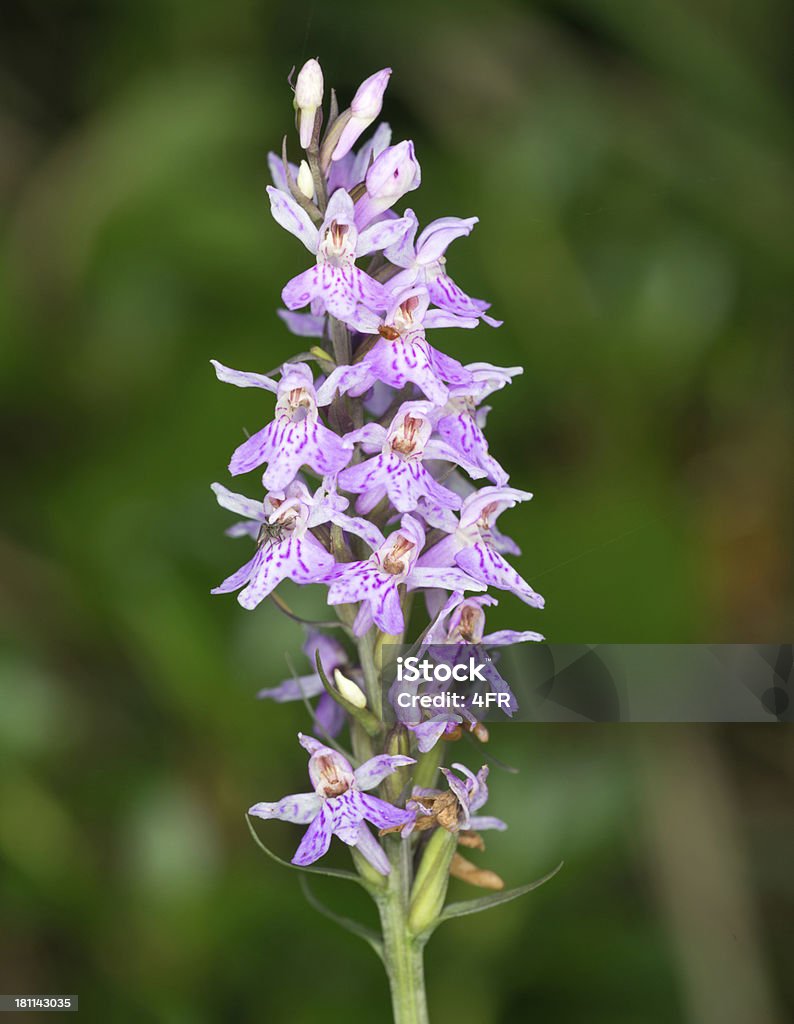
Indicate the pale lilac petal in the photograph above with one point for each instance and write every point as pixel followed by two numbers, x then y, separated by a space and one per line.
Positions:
pixel 287 446
pixel 502 543
pixel 439 235
pixel 239 504
pixel 369 292
pixel 436 318
pixel 363 475
pixel 304 325
pixel 467 440
pixel 265 576
pixel 276 167
pixel 316 840
pixel 303 560
pixel 369 848
pixel 352 581
pixel 509 636
pixel 363 621
pixel 306 559
pixel 428 734
pixel 341 289
pixel 340 209
pixel 237 579
pixel 386 609
pixel 300 808
pixel 488 566
pixel 446 578
pixel 243 529
pixel 371 434
pixel 261 447
pixel 293 217
pixel 367 501
pixel 481 823
pixel 312 745
pixel 406 360
pixel 347 814
pixel 241 379
pixel 380 813
pixel 401 252
pixel 376 769
pixel 381 234
pixel 344 379
pixel 294 689
pixel 449 369
pixel 329 716
pixel 447 295
pixel 441 554
pixel 359 527
pixel 300 290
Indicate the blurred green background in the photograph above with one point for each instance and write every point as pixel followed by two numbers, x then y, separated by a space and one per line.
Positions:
pixel 630 165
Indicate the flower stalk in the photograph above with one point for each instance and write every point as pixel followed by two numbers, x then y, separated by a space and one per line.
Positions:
pixel 370 469
pixel 403 950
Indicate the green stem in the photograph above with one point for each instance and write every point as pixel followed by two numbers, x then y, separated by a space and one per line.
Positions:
pixel 340 339
pixel 428 765
pixel 366 654
pixel 402 951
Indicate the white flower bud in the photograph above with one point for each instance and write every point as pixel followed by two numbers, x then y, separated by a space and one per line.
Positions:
pixel 305 180
pixel 308 97
pixel 349 690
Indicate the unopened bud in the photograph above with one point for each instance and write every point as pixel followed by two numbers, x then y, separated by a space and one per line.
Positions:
pixel 349 690
pixel 432 879
pixel 364 109
pixel 308 97
pixel 305 180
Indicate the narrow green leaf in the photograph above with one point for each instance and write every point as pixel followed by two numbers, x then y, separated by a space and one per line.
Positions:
pixel 330 872
pixel 486 902
pixel 367 934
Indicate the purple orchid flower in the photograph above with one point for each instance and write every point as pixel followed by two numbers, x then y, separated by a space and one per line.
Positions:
pixel 402 354
pixel 473 546
pixel 457 626
pixel 335 284
pixel 461 422
pixel 398 471
pixel 286 547
pixel 424 263
pixel 376 582
pixel 471 793
pixel 393 173
pixel 340 805
pixel 461 620
pixel 296 437
pixel 328 714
